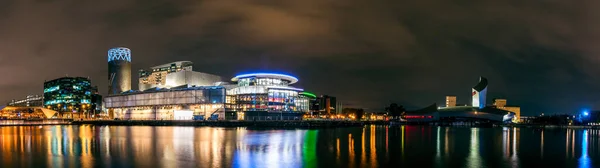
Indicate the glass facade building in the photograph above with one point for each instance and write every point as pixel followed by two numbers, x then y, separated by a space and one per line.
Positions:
pixel 168 104
pixel 70 95
pixel 266 95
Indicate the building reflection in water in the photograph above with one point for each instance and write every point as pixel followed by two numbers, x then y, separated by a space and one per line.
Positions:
pixel 474 158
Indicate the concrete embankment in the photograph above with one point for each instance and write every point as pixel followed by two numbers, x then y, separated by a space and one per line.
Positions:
pixel 273 124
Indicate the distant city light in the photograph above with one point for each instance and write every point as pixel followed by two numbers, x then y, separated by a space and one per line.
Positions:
pixel 586 113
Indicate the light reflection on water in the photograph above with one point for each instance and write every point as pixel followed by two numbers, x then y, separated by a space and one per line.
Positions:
pixel 370 146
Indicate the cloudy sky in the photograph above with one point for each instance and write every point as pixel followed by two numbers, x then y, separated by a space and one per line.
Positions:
pixel 539 54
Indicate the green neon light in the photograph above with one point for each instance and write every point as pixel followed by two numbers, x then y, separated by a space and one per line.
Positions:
pixel 309 94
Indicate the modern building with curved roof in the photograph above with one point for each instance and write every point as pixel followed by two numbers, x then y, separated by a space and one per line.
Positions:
pixel 478 111
pixel 479 93
pixel 175 74
pixel 266 96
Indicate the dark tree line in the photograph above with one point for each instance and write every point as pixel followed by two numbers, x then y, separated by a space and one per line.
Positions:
pixel 395 111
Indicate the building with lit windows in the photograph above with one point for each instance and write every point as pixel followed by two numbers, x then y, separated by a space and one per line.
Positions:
pixel 178 103
pixel 304 102
pixel 173 75
pixel 72 97
pixel 266 96
pixel 29 101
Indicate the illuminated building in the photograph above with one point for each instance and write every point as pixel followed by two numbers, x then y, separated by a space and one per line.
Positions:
pixel 304 101
pixel 499 112
pixel 479 92
pixel 501 104
pixel 119 70
pixel 180 103
pixel 70 96
pixel 173 75
pixel 260 96
pixel 29 101
pixel 450 101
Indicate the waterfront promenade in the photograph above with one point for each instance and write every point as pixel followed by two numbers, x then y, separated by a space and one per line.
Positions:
pixel 234 123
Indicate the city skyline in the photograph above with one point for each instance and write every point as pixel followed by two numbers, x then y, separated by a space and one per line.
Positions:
pixel 369 59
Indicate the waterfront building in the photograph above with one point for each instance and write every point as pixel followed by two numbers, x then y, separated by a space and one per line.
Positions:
pixel 173 75
pixel 479 93
pixel 260 96
pixel 305 99
pixel 327 105
pixel 179 103
pixel 29 101
pixel 478 111
pixel 72 97
pixel 501 104
pixel 119 70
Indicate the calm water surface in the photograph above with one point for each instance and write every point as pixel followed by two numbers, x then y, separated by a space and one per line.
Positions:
pixel 371 146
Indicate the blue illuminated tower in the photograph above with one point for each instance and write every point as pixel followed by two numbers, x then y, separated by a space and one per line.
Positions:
pixel 119 70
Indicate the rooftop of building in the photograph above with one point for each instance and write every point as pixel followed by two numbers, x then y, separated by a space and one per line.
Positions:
pixel 289 78
pixel 483 83
pixel 177 63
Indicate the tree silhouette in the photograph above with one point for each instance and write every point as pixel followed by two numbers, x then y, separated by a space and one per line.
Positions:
pixel 395 110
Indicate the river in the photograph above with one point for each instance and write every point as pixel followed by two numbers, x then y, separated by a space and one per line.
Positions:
pixel 370 146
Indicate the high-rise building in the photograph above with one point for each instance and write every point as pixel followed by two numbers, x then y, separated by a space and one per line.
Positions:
pixel 173 75
pixel 119 70
pixel 450 101
pixel 71 96
pixel 479 93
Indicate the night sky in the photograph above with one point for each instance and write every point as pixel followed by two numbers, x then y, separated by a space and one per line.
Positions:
pixel 539 54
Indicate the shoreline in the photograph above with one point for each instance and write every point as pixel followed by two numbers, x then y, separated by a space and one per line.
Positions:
pixel 233 123
pixel 273 124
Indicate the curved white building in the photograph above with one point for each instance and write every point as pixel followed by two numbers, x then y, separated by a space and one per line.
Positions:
pixel 265 96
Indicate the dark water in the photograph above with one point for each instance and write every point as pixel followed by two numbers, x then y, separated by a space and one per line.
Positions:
pixel 371 146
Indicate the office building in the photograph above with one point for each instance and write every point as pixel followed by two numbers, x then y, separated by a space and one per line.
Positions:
pixel 119 70
pixel 173 75
pixel 72 97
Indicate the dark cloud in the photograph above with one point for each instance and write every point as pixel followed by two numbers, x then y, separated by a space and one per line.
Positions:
pixel 537 54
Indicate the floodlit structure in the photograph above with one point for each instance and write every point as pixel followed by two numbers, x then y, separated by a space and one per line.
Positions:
pixel 173 75
pixel 479 93
pixel 182 103
pixel 119 70
pixel 501 104
pixel 269 96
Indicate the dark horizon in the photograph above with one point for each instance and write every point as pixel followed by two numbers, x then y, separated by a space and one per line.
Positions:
pixel 367 54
